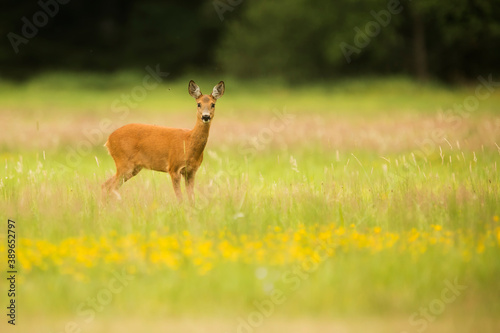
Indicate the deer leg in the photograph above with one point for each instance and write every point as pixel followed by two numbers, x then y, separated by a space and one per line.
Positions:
pixel 113 182
pixel 121 176
pixel 131 173
pixel 112 185
pixel 189 178
pixel 176 182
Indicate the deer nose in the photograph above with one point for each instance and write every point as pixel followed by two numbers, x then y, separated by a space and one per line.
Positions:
pixel 205 118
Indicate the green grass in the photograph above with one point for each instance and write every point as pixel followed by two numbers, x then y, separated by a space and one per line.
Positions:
pixel 289 183
pixel 63 94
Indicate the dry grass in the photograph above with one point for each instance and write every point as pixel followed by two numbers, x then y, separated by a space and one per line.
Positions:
pixel 383 135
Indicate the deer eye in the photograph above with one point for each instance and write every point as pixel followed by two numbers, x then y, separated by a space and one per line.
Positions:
pixel 199 105
pixel 213 105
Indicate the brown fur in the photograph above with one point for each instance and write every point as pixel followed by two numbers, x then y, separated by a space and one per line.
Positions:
pixel 178 152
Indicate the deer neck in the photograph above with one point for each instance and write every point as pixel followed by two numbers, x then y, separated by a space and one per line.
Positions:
pixel 198 139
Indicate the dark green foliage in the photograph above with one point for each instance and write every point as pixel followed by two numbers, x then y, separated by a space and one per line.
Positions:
pixel 295 40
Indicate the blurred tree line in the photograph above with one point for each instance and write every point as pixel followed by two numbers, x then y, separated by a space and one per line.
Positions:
pixel 293 39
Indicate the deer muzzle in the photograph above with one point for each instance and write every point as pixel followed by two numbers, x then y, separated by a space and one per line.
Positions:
pixel 205 117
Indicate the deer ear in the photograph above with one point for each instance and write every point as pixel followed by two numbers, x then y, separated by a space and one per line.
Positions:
pixel 218 90
pixel 194 90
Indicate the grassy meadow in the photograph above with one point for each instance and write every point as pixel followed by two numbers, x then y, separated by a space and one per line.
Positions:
pixel 346 206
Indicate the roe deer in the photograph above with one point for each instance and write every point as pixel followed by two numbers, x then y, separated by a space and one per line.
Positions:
pixel 173 150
